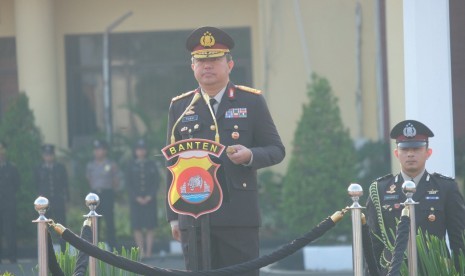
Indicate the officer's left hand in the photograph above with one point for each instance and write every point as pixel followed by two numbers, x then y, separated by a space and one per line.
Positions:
pixel 242 155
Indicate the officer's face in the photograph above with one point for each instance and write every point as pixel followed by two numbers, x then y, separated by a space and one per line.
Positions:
pixel 212 72
pixel 413 160
pixel 48 157
pixel 99 153
pixel 141 153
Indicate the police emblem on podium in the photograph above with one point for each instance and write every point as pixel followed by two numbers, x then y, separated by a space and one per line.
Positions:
pixel 194 188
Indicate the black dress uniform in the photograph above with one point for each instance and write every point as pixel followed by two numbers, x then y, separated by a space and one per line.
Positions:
pixel 9 187
pixel 243 118
pixel 142 179
pixel 52 183
pixel 441 207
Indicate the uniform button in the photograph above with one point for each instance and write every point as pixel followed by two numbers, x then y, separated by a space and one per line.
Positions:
pixel 244 185
pixel 236 127
pixel 212 127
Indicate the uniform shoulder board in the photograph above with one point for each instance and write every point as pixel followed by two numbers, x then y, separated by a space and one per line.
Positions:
pixel 248 89
pixel 183 95
pixel 383 177
pixel 443 176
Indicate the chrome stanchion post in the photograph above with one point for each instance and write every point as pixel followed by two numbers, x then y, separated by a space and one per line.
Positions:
pixel 409 188
pixel 92 201
pixel 41 205
pixel 355 191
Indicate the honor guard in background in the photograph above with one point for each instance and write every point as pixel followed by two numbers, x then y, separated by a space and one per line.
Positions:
pixel 103 178
pixel 52 182
pixel 245 126
pixel 9 187
pixel 142 181
pixel 441 207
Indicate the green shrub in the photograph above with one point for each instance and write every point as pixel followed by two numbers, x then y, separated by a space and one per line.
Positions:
pixel 434 258
pixel 321 167
pixel 24 140
pixel 270 191
pixel 373 161
pixel 67 262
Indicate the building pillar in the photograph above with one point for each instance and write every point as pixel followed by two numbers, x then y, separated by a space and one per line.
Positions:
pixel 427 67
pixel 37 64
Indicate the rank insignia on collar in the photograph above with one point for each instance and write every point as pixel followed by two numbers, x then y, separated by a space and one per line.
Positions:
pixel 231 93
pixel 385 207
pixel 392 189
pixel 433 192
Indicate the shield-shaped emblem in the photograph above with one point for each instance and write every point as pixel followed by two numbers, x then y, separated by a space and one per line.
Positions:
pixel 194 188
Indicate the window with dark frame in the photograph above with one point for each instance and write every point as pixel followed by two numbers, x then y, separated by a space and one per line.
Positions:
pixel 148 69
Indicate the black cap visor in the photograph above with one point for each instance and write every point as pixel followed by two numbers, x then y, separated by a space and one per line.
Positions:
pixel 411 144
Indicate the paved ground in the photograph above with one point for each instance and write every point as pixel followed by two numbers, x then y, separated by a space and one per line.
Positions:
pixel 24 267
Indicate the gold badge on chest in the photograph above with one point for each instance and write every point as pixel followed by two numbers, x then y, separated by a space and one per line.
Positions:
pixel 431 216
pixel 191 111
pixel 392 189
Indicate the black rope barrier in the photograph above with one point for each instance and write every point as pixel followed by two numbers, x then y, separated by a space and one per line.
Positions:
pixel 82 261
pixel 110 258
pixel 403 230
pixel 277 255
pixel 139 268
pixel 53 265
pixel 368 251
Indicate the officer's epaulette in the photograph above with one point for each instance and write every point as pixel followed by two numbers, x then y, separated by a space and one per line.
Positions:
pixel 383 177
pixel 183 95
pixel 443 176
pixel 248 89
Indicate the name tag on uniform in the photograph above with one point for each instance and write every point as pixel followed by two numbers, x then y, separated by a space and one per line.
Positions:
pixel 432 198
pixel 190 118
pixel 391 197
pixel 236 113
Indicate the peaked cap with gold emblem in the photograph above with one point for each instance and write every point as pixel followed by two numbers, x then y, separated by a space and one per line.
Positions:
pixel 411 134
pixel 209 42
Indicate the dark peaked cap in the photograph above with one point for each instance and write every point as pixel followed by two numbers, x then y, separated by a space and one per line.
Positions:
pixel 100 144
pixel 48 149
pixel 140 144
pixel 209 42
pixel 411 134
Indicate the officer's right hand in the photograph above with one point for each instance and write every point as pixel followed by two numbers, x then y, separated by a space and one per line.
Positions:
pixel 175 232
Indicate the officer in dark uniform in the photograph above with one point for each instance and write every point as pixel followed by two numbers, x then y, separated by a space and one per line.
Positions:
pixel 441 207
pixel 52 182
pixel 245 125
pixel 142 181
pixel 9 187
